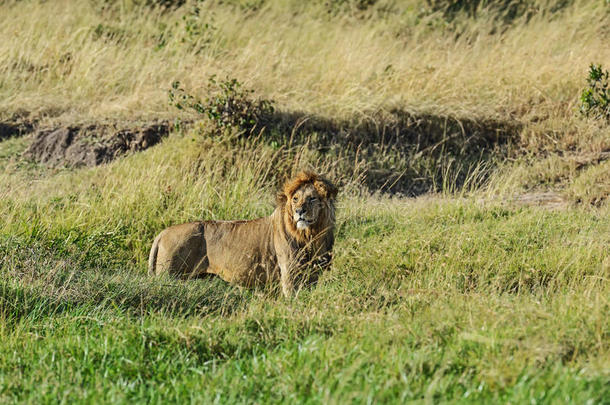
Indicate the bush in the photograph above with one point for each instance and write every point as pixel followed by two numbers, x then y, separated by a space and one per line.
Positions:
pixel 595 98
pixel 228 105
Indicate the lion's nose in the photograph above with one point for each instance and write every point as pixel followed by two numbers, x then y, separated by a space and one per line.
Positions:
pixel 299 210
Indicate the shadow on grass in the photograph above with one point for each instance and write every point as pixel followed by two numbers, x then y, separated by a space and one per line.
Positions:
pixel 128 294
pixel 402 152
pixel 37 283
pixel 16 125
pixel 392 151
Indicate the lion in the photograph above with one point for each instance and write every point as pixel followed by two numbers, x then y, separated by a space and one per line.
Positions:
pixel 292 246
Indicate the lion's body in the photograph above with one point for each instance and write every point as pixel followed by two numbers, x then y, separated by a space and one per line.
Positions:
pixel 284 246
pixel 240 252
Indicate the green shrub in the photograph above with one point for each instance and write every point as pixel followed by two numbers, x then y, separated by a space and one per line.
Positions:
pixel 595 98
pixel 227 106
pixel 196 31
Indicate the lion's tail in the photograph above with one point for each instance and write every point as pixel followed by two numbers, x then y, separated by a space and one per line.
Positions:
pixel 152 258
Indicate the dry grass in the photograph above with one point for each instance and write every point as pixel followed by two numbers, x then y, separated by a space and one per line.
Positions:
pixel 70 61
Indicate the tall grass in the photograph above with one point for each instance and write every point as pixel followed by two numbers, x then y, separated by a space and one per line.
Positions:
pixel 72 60
pixel 451 297
pixel 428 299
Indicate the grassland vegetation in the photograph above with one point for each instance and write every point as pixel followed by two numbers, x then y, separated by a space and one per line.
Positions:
pixel 458 295
pixel 595 99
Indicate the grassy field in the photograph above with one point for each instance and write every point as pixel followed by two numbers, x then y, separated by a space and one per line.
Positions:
pixel 445 287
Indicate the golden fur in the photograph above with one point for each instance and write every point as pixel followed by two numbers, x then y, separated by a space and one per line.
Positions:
pixel 291 246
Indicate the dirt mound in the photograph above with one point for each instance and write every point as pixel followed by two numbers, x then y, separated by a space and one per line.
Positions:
pixel 16 126
pixel 92 145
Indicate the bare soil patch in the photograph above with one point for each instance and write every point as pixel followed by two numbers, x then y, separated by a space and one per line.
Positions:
pixel 92 145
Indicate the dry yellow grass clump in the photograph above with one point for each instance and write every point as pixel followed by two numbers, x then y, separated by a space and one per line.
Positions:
pixel 83 60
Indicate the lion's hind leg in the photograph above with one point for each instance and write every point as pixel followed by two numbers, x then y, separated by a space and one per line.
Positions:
pixel 180 251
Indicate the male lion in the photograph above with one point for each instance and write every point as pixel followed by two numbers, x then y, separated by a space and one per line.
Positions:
pixel 291 246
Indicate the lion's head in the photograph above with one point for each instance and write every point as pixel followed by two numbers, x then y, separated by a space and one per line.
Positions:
pixel 308 205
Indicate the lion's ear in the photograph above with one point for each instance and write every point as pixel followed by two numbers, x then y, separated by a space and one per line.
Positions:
pixel 281 199
pixel 326 189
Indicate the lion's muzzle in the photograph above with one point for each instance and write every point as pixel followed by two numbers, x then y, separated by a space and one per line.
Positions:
pixel 300 218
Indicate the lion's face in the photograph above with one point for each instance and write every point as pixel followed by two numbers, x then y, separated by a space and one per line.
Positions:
pixel 307 203
pixel 305 206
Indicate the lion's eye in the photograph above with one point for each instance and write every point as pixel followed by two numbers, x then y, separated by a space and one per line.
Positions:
pixel 295 199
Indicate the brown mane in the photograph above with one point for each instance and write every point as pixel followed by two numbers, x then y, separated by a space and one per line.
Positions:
pixel 326 190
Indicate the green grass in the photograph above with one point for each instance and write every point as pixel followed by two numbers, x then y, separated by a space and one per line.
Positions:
pixel 457 296
pixel 436 299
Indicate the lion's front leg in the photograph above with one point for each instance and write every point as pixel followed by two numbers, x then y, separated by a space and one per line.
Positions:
pixel 285 261
pixel 295 275
pixel 287 278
